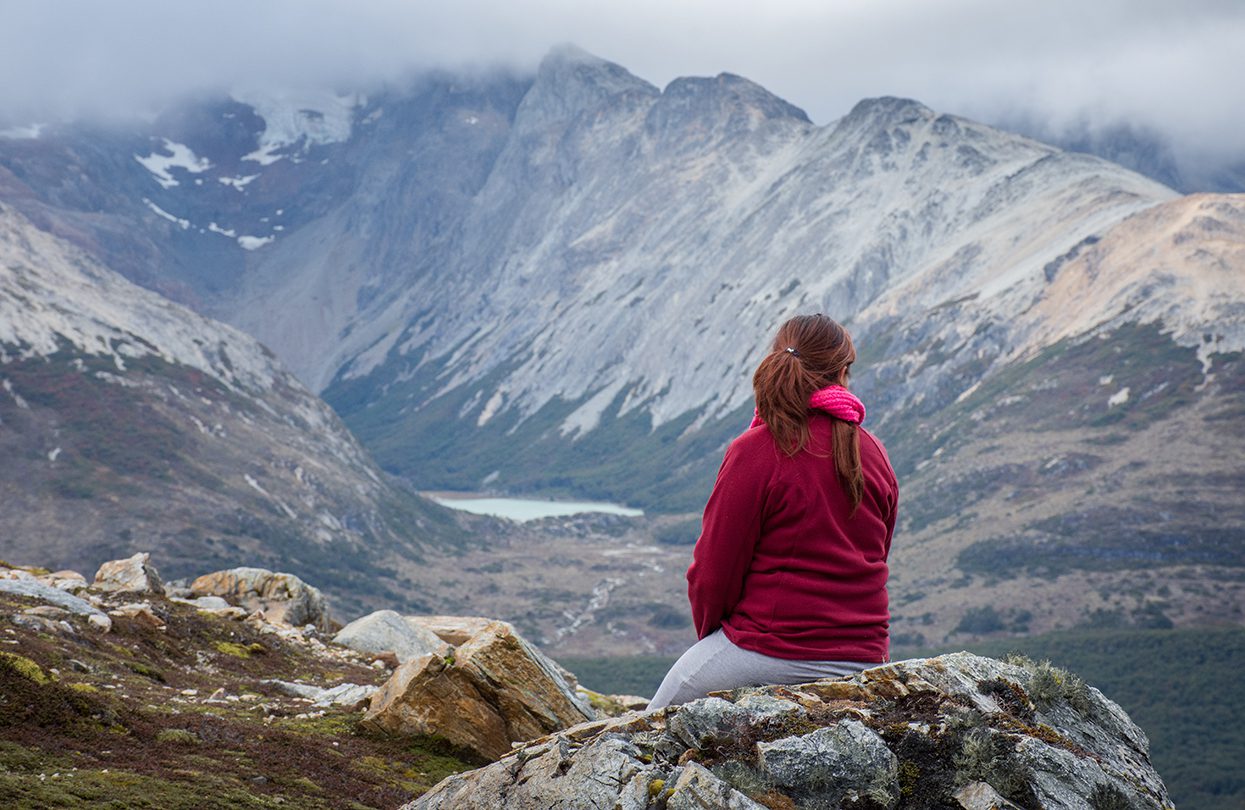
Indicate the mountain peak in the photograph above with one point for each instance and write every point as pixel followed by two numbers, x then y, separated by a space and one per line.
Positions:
pixel 569 52
pixel 568 63
pixel 889 111
pixel 733 89
pixel 570 79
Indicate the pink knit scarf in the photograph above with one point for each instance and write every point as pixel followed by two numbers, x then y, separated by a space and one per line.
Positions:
pixel 834 400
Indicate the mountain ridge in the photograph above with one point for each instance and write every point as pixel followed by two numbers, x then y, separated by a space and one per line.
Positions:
pixel 128 420
pixel 498 293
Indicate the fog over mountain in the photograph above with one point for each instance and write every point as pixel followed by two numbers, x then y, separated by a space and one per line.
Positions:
pixel 1167 69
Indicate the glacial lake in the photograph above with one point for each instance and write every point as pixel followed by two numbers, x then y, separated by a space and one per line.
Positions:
pixel 522 509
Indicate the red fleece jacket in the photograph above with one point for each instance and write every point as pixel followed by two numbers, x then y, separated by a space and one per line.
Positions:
pixel 781 566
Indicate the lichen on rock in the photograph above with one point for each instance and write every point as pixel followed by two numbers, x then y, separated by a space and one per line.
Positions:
pixel 958 730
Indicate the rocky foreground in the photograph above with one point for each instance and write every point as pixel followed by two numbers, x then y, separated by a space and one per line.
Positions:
pixel 956 731
pixel 237 689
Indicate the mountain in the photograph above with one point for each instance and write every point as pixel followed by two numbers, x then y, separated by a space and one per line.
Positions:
pixel 127 421
pixel 1142 150
pixel 562 282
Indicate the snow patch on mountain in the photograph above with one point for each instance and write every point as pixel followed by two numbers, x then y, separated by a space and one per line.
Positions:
pixel 53 295
pixel 180 156
pixel 297 121
pixel 254 242
pixel 184 224
pixel 238 183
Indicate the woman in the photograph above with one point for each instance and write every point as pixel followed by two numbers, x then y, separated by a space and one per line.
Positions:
pixel 788 578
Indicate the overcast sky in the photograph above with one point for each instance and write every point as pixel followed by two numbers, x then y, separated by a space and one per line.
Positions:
pixel 1176 66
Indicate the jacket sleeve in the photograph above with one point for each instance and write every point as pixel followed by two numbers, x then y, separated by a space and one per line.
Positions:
pixel 729 533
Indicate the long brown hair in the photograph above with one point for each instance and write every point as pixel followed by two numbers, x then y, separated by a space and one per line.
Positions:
pixel 809 352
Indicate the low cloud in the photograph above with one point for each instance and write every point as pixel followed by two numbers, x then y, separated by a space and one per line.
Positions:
pixel 1173 68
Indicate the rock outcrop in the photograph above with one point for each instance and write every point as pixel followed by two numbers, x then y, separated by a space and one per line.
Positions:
pixel 494 690
pixel 387 631
pixel 283 598
pixel 954 731
pixel 450 629
pixel 132 575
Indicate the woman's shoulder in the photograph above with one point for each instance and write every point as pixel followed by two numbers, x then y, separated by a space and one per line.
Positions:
pixel 873 453
pixel 754 440
pixel 867 437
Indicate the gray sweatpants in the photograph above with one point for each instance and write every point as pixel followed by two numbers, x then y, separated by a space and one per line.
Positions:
pixel 714 663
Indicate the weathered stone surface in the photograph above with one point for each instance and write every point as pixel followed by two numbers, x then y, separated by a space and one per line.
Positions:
pixel 139 611
pixel 47 611
pixel 957 730
pixel 698 789
pixel 980 796
pixel 352 695
pixel 46 593
pixel 453 630
pixel 66 580
pixel 100 622
pixel 609 705
pixel 43 624
pixel 845 763
pixel 132 575
pixel 493 690
pixel 386 631
pixel 716 722
pixel 203 602
pixel 283 598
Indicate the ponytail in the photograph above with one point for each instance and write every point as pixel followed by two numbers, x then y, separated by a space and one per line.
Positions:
pixel 847 461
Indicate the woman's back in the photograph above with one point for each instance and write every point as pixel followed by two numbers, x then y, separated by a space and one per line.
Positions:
pixel 784 563
pixel 788 578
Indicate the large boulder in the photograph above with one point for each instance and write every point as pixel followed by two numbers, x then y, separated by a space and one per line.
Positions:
pixel 31 587
pixel 953 731
pixel 283 598
pixel 386 631
pixel 494 690
pixel 132 575
pixel 450 629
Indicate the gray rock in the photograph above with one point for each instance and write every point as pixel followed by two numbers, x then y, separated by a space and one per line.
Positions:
pixel 100 622
pixel 48 611
pixel 698 789
pixel 300 690
pixel 714 722
pixel 386 631
pixel 66 580
pixel 203 602
pixel 139 611
pixel 353 695
pixel 981 742
pixel 132 575
pixel 843 763
pixel 980 796
pixel 50 595
pixel 42 624
pixel 283 598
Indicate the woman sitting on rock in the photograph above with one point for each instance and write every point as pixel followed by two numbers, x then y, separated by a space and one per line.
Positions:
pixel 788 577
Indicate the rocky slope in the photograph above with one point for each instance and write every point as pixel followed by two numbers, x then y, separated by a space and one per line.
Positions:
pixel 953 731
pixel 181 704
pixel 129 422
pixel 129 689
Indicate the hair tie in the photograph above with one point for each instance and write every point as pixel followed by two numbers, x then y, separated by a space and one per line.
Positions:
pixel 792 350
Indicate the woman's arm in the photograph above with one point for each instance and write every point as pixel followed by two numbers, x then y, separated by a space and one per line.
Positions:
pixel 729 534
